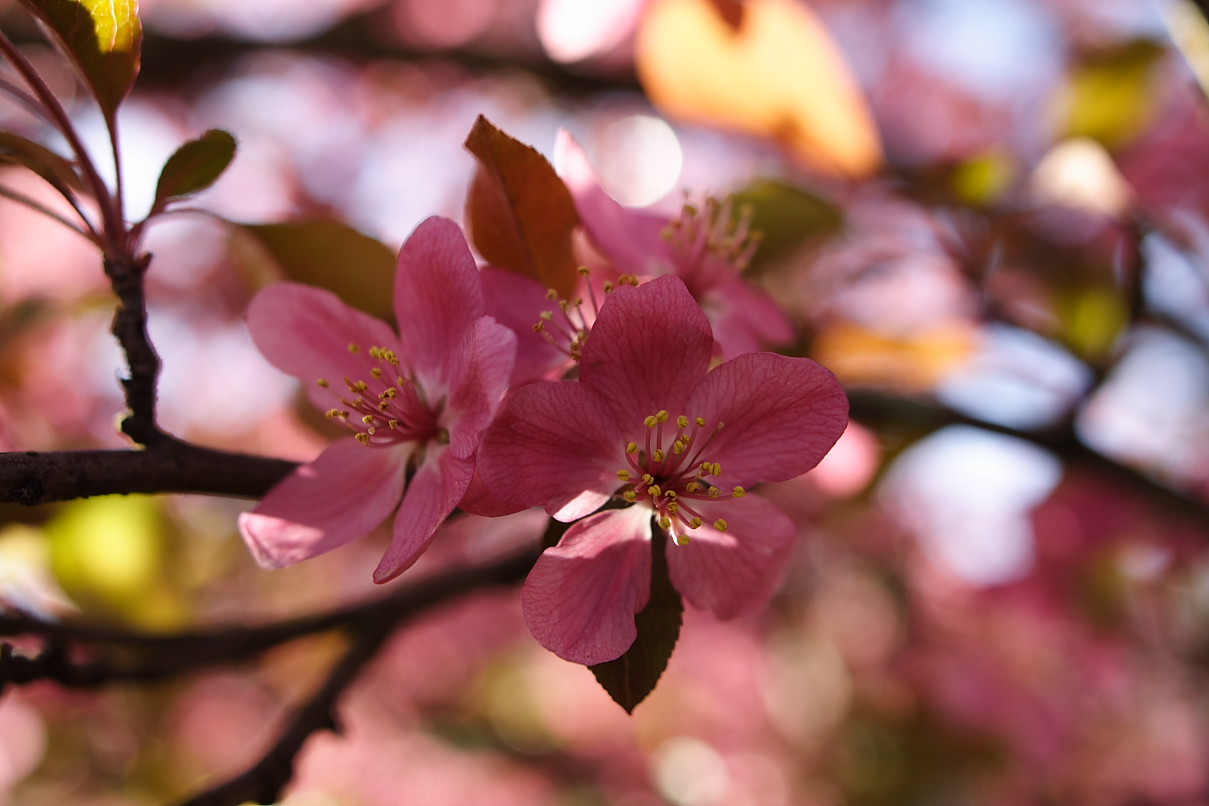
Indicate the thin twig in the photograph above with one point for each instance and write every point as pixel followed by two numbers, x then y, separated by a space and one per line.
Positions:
pixel 38 207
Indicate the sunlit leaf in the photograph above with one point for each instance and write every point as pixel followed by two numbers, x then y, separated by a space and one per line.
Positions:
pixel 519 214
pixel 55 169
pixel 194 166
pixel 767 67
pixel 1092 320
pixel 322 252
pixel 630 678
pixel 103 37
pixel 786 216
pixel 1111 96
pixel 913 362
pixel 108 554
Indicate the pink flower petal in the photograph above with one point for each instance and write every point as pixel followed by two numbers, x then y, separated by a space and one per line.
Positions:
pixel 437 297
pixel 734 572
pixel 306 332
pixel 480 368
pixel 744 318
pixel 479 500
pixel 649 347
pixel 517 302
pixel 554 444
pixel 342 495
pixel 581 596
pixel 631 240
pixel 781 416
pixel 432 494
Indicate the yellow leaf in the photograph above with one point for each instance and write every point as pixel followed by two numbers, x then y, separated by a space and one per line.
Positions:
pixel 771 70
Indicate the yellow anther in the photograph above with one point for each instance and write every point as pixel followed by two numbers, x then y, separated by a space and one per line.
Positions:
pixel 368 419
pixel 738 492
pixel 538 327
pixel 361 386
pixel 651 421
pixel 694 523
pixel 654 490
pixel 609 288
pixel 551 293
pixel 700 422
pixel 673 508
pixel 661 415
pixel 658 455
pixel 671 494
pixel 546 315
pixel 682 421
pixel 623 474
pixel 680 540
pixel 713 492
pixel 376 372
pixel 678 446
pixel 383 406
pixel 353 347
pixel 692 487
pixel 323 382
pixel 335 413
pixel 630 496
pixel 584 271
pixel 720 525
pixel 370 430
pixel 647 478
pixel 665 522
pixel 394 424
pixel 715 469
pixel 362 438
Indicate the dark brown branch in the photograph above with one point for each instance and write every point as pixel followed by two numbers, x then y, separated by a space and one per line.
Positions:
pixel 169 466
pixel 130 329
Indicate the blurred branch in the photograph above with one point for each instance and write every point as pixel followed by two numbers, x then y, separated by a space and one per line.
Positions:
pixel 167 655
pixel 887 412
pixel 168 466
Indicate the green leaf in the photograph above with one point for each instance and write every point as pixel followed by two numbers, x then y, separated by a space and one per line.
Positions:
pixel 321 252
pixel 103 37
pixel 1111 97
pixel 59 171
pixel 519 214
pixel 788 216
pixel 630 678
pixel 194 166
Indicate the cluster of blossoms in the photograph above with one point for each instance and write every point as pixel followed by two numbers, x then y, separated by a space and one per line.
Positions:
pixel 645 448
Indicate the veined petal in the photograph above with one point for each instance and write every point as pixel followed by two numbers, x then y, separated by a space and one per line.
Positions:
pixel 735 572
pixel 781 416
pixel 554 444
pixel 648 348
pixel 437 297
pixel 480 367
pixel 340 496
pixel 307 332
pixel 581 596
pixel 631 240
pixel 433 493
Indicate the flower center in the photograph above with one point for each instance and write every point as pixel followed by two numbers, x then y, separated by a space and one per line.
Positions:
pixel 667 472
pixel 712 242
pixel 387 407
pixel 567 327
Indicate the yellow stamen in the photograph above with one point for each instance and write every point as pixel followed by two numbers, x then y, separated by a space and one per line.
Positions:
pixel 682 421
pixel 630 496
pixel 658 455
pixel 720 525
pixel 353 347
pixel 324 383
pixel 694 523
pixel 623 474
pixel 738 492
pixel 632 448
pixel 362 438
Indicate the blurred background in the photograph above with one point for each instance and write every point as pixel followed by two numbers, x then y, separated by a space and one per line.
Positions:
pixel 990 220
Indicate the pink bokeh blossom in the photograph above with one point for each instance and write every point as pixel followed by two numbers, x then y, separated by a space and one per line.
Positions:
pixel 649 424
pixel 417 402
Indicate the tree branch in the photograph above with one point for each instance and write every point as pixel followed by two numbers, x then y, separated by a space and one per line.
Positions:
pixel 168 466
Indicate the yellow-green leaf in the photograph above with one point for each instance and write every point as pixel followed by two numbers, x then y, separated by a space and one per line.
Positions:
pixel 103 37
pixel 519 214
pixel 322 252
pixel 194 166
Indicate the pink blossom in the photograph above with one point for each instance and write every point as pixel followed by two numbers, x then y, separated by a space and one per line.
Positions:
pixel 417 402
pixel 649 424
pixel 707 247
